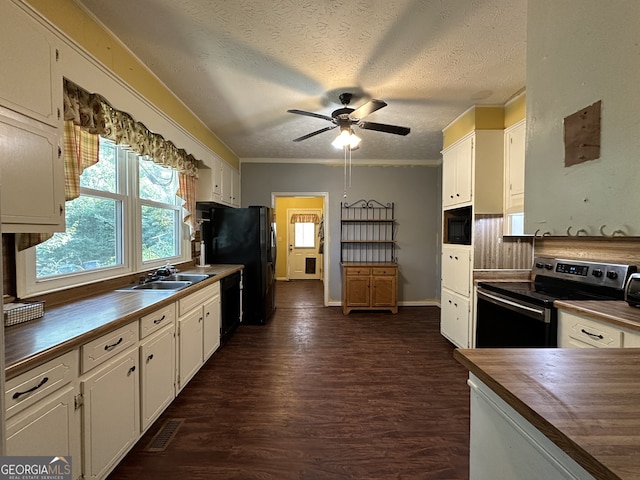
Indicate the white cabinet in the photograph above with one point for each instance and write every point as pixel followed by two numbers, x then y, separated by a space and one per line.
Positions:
pixel 455 297
pixel 504 445
pixel 579 331
pixel 111 422
pixel 230 187
pixel 157 363
pixel 211 324
pixel 514 149
pixel 210 182
pixel 190 347
pixel 31 82
pixel 42 418
pixel 111 405
pixel 157 374
pixel 456 173
pixel 30 121
pixel 456 269
pixel 455 318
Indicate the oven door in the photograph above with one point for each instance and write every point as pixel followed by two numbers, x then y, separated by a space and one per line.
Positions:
pixel 502 321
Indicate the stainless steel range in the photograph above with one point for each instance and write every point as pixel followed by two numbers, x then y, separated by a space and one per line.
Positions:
pixel 521 314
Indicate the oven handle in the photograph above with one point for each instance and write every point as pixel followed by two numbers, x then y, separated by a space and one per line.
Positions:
pixel 535 313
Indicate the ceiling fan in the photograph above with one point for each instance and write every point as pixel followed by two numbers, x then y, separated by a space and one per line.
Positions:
pixel 345 117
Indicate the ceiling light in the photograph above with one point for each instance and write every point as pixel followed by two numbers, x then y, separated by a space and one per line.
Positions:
pixel 346 139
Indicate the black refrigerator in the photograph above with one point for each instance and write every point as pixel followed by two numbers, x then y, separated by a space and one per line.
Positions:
pixel 246 236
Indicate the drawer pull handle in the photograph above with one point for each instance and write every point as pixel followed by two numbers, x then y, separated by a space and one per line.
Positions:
pixel 156 322
pixel 131 370
pixel 32 389
pixel 150 357
pixel 599 337
pixel 113 345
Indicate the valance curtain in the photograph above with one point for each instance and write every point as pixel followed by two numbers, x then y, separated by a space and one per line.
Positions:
pixel 87 116
pixel 305 218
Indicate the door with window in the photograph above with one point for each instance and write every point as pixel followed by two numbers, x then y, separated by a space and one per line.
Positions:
pixel 304 260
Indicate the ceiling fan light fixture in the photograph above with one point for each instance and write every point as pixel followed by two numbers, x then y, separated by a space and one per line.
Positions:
pixel 346 139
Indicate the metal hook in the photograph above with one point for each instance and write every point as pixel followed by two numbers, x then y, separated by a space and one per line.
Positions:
pixel 602 231
pixel 582 230
pixel 569 231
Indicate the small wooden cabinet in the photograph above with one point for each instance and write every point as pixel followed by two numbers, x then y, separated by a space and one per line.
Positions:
pixel 369 286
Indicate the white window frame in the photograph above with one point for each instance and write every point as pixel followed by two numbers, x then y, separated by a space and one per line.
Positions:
pixel 28 285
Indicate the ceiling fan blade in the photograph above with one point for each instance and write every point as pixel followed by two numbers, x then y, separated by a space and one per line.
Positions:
pixel 310 114
pixel 313 134
pixel 368 108
pixel 381 127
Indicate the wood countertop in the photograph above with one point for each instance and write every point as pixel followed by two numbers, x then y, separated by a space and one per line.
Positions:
pixel 65 327
pixel 586 401
pixel 616 312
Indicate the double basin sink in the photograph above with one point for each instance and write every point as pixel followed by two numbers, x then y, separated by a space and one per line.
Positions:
pixel 176 281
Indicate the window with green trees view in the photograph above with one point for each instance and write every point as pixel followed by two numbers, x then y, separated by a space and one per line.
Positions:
pixel 122 197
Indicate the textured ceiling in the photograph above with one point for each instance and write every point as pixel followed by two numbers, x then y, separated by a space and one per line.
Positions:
pixel 239 65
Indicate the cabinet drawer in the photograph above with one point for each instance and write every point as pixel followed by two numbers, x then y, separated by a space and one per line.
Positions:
pixel 108 346
pixel 594 333
pixel 26 389
pixel 357 271
pixel 196 299
pixel 383 271
pixel 158 319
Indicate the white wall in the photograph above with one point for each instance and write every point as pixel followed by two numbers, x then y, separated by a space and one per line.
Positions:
pixel 579 52
pixel 415 191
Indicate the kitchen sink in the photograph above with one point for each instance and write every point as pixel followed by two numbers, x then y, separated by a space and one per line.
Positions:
pixel 184 277
pixel 158 285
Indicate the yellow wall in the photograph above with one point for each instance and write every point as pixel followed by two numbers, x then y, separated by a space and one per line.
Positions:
pixel 476 118
pixel 282 204
pixel 84 30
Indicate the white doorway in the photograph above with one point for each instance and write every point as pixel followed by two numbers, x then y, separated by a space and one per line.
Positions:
pixel 304 259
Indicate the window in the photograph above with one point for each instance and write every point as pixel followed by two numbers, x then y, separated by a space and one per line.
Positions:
pixel 305 235
pixel 128 218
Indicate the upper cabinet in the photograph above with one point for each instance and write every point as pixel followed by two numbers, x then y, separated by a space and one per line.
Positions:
pixel 31 165
pixel 514 147
pixel 31 83
pixel 472 172
pixel 220 184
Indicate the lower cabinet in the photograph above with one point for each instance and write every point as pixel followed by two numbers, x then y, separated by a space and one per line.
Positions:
pixel 579 331
pixel 369 287
pixel 189 346
pixel 93 403
pixel 42 418
pixel 157 374
pixel 455 316
pixel 111 422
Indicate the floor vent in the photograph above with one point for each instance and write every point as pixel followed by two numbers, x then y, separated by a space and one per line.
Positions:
pixel 161 440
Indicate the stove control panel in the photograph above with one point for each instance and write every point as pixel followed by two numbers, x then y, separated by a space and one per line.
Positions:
pixel 593 273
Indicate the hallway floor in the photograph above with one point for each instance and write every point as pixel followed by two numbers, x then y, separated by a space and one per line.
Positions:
pixel 317 395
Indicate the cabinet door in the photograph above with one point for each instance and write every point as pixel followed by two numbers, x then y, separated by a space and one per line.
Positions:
pixel 514 168
pixel 211 327
pixel 50 427
pixel 189 346
pixel 216 172
pixel 454 318
pixel 30 83
pixel 235 188
pixel 157 378
pixel 357 291
pixel 111 422
pixel 464 170
pixel 30 163
pixel 449 160
pixel 456 269
pixel 226 186
pixel 384 292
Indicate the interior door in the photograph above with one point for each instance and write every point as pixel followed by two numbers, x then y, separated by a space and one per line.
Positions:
pixel 303 258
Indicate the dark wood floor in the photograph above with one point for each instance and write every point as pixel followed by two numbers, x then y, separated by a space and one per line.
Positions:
pixel 317 395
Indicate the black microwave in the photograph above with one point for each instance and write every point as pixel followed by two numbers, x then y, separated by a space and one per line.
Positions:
pixel 458 230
